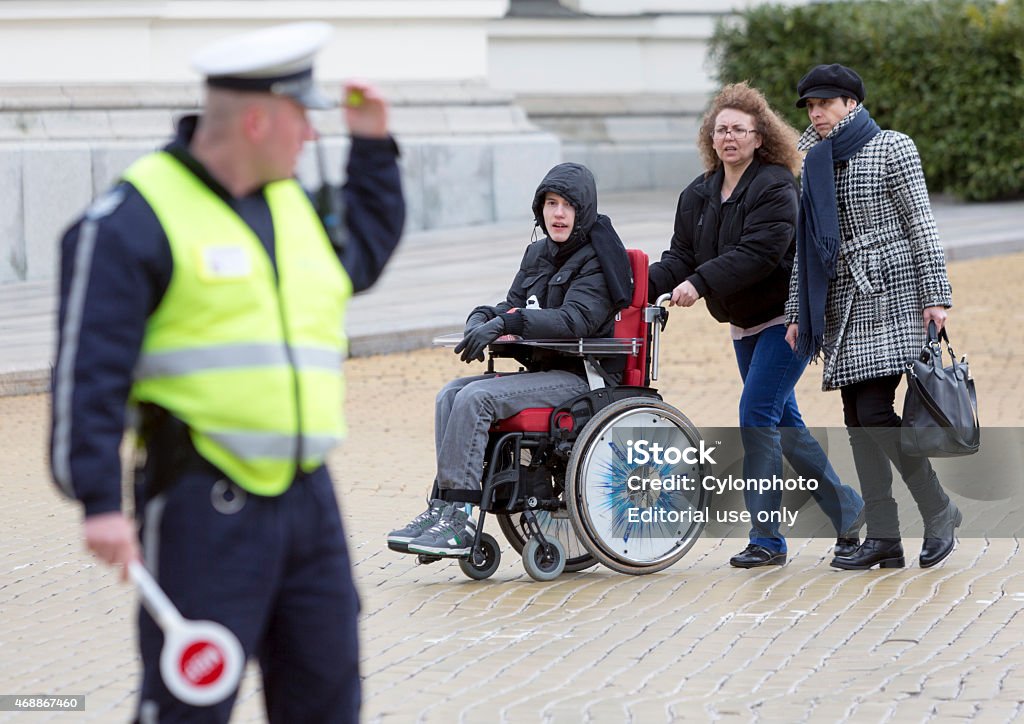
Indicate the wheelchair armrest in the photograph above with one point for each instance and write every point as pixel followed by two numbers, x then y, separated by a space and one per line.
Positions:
pixel 447 340
pixel 601 346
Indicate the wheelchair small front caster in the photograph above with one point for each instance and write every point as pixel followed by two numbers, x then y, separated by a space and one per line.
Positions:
pixel 483 562
pixel 544 562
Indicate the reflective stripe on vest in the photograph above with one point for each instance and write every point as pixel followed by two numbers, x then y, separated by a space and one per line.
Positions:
pixel 246 354
pixel 186 361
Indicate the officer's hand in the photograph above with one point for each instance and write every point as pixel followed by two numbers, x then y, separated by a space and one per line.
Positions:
pixel 366 111
pixel 474 321
pixel 473 344
pixel 111 538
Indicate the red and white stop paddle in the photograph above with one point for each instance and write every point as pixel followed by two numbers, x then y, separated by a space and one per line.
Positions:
pixel 202 661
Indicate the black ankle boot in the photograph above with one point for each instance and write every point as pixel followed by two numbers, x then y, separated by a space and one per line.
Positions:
pixel 845 547
pixel 882 552
pixel 849 540
pixel 940 536
pixel 755 556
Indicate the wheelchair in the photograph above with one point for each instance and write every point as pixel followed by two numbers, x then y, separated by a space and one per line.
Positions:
pixel 562 482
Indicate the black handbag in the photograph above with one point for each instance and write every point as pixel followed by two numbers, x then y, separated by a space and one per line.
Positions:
pixel 940 411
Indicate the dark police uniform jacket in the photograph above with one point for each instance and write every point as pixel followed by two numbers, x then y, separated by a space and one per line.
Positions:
pixel 121 259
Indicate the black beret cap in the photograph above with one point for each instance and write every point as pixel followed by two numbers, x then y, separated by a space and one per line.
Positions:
pixel 830 81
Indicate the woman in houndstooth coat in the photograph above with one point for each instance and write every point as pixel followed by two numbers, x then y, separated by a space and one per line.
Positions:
pixel 869 277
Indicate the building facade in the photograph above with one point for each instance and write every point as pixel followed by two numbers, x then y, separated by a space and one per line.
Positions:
pixel 487 95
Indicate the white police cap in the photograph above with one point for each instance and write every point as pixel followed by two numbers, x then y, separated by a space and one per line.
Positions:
pixel 275 60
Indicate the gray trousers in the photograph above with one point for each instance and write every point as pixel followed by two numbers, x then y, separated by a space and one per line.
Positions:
pixel 467 407
pixel 874 429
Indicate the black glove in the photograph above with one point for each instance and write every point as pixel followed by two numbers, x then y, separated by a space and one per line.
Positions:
pixel 474 321
pixel 473 344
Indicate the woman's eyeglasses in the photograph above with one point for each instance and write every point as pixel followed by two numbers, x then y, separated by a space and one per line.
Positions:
pixel 738 133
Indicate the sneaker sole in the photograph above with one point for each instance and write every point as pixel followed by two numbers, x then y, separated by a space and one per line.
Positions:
pixel 399 546
pixel 439 551
pixel 403 540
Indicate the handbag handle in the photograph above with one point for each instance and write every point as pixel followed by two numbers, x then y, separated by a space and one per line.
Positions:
pixel 939 336
pixel 933 341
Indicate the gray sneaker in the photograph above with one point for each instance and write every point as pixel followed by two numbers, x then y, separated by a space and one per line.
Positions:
pixel 452 535
pixel 398 540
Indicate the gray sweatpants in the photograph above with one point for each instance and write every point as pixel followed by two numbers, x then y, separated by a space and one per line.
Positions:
pixel 467 407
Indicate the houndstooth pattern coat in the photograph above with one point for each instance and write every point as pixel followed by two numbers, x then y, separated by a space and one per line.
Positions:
pixel 890 266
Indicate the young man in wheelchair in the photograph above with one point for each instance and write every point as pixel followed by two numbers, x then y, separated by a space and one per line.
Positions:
pixel 570 284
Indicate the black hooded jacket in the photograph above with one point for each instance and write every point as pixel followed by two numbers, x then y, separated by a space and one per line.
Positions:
pixel 573 299
pixel 737 254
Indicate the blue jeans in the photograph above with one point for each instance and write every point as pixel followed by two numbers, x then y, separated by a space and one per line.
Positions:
pixel 771 426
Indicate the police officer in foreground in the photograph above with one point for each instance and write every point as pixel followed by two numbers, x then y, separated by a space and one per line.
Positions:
pixel 208 290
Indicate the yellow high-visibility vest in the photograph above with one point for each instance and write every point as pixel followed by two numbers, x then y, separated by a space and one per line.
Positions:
pixel 250 360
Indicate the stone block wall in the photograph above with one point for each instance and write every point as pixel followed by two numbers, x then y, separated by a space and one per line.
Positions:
pixel 623 85
pixel 632 142
pixel 469 156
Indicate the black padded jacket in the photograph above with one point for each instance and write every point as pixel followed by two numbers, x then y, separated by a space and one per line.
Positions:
pixel 737 254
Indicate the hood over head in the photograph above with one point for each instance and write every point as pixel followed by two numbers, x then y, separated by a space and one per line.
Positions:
pixel 575 184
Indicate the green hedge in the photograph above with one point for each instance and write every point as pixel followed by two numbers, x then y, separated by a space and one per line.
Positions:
pixel 949 73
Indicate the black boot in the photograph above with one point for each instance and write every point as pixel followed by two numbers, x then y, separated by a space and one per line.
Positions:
pixel 940 536
pixel 882 552
pixel 849 540
pixel 845 547
pixel 755 556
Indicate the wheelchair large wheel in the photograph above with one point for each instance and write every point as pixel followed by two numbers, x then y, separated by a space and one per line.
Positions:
pixel 629 525
pixel 577 557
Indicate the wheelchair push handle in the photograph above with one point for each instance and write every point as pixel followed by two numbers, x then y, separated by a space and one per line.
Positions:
pixel 658 316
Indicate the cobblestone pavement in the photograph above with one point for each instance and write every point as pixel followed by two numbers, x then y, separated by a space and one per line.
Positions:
pixel 697 641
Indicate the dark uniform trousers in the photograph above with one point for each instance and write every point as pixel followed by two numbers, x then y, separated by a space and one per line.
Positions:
pixel 275 571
